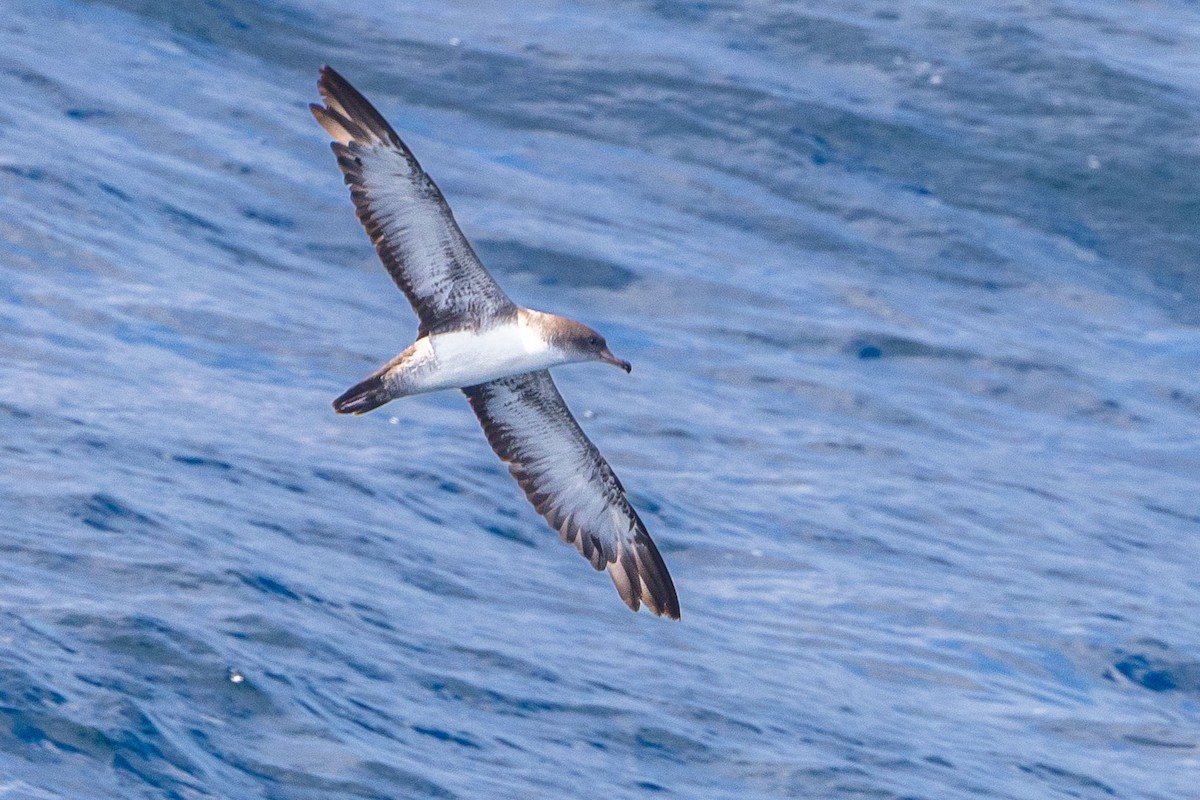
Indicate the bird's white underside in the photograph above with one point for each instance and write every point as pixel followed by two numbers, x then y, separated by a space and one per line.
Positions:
pixel 468 357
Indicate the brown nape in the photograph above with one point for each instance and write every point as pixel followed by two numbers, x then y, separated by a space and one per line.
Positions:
pixel 567 334
pixel 561 331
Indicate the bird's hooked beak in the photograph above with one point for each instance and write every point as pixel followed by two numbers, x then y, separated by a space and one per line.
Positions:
pixel 608 358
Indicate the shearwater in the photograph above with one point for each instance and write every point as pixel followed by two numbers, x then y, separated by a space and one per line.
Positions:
pixel 474 338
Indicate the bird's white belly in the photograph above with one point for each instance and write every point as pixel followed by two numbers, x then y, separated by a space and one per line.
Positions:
pixel 466 358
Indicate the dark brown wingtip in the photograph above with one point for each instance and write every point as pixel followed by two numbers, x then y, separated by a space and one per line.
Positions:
pixel 670 609
pixel 658 590
pixel 342 98
pixel 328 76
pixel 641 577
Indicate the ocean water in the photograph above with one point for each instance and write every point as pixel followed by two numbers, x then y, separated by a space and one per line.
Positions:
pixel 912 294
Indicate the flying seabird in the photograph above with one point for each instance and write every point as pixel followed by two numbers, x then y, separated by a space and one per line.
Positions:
pixel 474 338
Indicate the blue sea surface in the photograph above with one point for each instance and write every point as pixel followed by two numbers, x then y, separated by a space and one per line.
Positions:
pixel 912 294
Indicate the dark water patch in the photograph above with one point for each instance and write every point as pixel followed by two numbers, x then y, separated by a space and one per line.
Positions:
pixel 510 533
pixel 854 448
pixel 1186 399
pixel 1036 491
pixel 1109 411
pixel 339 478
pixel 203 462
pixel 14 412
pixel 267 585
pixel 492 701
pixel 510 664
pixel 553 268
pixel 373 617
pixel 269 218
pixel 282 481
pixel 284 35
pixel 18 688
pixel 1152 741
pixel 978 254
pixel 377 544
pixel 459 739
pixel 143 640
pixel 795 338
pixel 875 346
pixel 188 220
pixel 45 86
pixel 113 191
pixel 1074 783
pixel 262 630
pixel 116 733
pixel 28 173
pixel 270 526
pixel 380 782
pixel 1182 516
pixel 45 178
pixel 707 718
pixel 1124 542
pixel 245 254
pixel 373 720
pixel 370 670
pixel 955 275
pixel 868 351
pixel 107 513
pixel 224 327
pixel 32 728
pixel 1023 366
pixel 665 744
pixel 408 782
pixel 88 113
pixel 434 583
pixel 1159 673
pixel 860 544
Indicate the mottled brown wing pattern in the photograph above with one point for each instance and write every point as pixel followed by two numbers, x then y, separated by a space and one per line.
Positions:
pixel 406 216
pixel 570 484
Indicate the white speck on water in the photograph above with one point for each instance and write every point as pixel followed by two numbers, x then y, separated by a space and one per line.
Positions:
pixel 935 80
pixel 455 41
pixel 236 677
pixel 1093 162
pixel 394 420
pixel 588 413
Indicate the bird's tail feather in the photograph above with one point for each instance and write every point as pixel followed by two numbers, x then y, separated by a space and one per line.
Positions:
pixel 364 396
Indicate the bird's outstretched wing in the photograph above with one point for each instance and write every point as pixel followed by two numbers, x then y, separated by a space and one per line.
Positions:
pixel 571 485
pixel 406 216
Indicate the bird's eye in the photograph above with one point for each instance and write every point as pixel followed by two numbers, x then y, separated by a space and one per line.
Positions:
pixel 594 341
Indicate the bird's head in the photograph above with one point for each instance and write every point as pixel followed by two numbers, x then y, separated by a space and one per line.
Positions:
pixel 584 344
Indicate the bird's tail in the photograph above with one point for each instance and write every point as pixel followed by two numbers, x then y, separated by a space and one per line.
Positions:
pixel 365 396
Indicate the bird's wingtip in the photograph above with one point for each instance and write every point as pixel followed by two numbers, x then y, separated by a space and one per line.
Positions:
pixel 642 578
